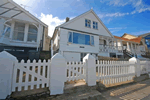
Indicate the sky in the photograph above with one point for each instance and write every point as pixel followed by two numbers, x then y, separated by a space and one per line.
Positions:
pixel 119 16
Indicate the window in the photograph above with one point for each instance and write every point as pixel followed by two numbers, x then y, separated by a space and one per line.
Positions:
pixel 19 31
pixel 81 39
pixel 95 25
pixel 70 37
pixel 78 38
pixel 32 33
pixel 92 40
pixel 7 29
pixel 87 23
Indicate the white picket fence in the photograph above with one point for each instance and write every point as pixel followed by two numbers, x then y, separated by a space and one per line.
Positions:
pixel 111 72
pixel 75 71
pixel 53 74
pixel 30 75
pixel 34 75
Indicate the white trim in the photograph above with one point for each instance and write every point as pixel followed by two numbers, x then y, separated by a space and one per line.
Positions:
pixel 26 12
pixel 26 32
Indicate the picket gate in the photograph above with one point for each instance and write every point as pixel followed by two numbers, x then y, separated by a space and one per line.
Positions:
pixel 30 75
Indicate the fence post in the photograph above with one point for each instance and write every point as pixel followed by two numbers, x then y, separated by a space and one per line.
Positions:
pixel 135 66
pixel 89 60
pixel 7 62
pixel 57 74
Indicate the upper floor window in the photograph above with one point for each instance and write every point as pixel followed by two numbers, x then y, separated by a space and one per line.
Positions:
pixel 19 31
pixel 95 25
pixel 87 23
pixel 78 38
pixel 32 33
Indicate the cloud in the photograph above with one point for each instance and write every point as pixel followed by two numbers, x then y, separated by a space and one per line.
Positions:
pixel 117 14
pixel 51 21
pixel 140 32
pixel 138 5
pixel 116 29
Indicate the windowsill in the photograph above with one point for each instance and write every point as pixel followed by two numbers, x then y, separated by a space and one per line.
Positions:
pixel 88 27
pixel 79 44
pixel 95 29
pixel 23 42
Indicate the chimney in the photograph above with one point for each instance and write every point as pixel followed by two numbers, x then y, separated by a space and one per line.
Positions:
pixel 67 19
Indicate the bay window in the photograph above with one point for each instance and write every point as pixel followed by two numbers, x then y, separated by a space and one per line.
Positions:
pixel 32 33
pixel 19 31
pixel 78 38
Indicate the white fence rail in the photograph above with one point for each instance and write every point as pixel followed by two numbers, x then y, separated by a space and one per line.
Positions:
pixel 111 72
pixel 30 75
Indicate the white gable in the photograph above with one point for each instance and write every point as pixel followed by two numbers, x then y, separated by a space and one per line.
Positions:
pixel 10 9
pixel 79 24
pixel 23 16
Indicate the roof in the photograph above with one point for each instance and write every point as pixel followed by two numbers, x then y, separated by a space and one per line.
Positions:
pixel 137 40
pixel 81 16
pixel 15 10
pixel 143 35
pixel 127 34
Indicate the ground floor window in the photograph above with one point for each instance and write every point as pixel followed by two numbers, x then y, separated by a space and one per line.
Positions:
pixel 113 55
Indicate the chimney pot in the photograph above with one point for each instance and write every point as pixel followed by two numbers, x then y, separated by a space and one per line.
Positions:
pixel 67 19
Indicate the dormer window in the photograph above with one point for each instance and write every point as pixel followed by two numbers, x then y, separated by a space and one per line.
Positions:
pixel 95 25
pixel 87 23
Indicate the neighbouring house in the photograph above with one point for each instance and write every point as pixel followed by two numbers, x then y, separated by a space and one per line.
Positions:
pixel 146 40
pixel 133 46
pixel 84 34
pixel 87 34
pixel 20 31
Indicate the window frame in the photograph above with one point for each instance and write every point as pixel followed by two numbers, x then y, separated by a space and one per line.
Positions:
pixel 96 27
pixel 32 33
pixel 81 44
pixel 87 24
pixel 8 26
pixel 14 30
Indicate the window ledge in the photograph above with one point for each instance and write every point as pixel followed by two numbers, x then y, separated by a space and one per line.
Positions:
pixel 79 44
pixel 23 42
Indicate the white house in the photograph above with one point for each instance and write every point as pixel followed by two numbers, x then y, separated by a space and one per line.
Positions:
pixel 19 28
pixel 84 34
pixel 21 31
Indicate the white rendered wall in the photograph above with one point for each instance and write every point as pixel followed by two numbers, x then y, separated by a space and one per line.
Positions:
pixel 72 56
pixel 56 40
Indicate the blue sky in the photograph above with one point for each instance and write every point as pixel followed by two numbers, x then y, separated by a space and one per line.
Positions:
pixel 119 16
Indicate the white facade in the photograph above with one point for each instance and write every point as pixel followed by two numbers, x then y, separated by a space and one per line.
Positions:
pixel 25 29
pixel 76 51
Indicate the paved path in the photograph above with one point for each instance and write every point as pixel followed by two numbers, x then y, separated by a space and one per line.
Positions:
pixel 137 91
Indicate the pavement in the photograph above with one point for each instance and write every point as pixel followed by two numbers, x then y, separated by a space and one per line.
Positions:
pixel 134 91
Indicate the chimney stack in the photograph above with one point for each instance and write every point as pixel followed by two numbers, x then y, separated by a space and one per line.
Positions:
pixel 67 19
